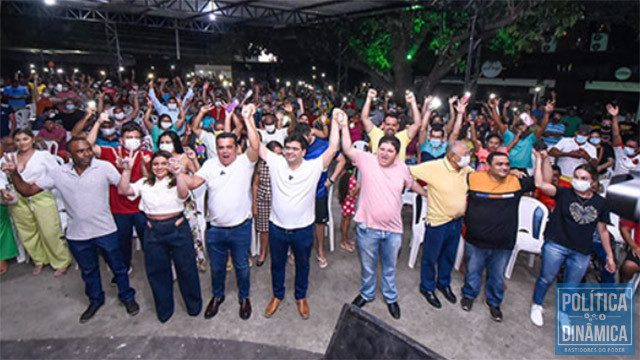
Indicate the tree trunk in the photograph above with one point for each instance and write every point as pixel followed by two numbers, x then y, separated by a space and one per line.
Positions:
pixel 402 69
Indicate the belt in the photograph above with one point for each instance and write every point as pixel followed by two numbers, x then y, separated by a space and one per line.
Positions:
pixel 290 231
pixel 231 227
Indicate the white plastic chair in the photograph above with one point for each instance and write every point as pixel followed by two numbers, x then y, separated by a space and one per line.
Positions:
pixel 407 197
pixel 417 227
pixel 52 146
pixel 32 111
pixel 614 228
pixel 255 243
pixel 525 240
pixel 330 225
pixel 22 117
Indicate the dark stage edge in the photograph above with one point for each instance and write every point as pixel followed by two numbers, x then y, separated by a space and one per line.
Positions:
pixel 144 347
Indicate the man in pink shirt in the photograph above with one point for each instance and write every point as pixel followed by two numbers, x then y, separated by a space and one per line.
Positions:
pixel 379 230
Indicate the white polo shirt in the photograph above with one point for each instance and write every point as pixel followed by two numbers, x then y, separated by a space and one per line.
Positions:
pixel 159 198
pixel 293 192
pixel 624 163
pixel 229 189
pixel 568 164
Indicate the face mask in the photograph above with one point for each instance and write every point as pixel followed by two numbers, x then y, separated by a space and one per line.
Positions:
pixel 581 139
pixel 45 95
pixel 119 116
pixel 352 125
pixel 65 89
pixel 59 87
pixel 135 87
pixel 172 106
pixel 131 144
pixel 108 131
pixel 594 141
pixel 218 104
pixel 70 107
pixel 435 142
pixel 51 86
pixel 464 161
pixel 629 151
pixel 270 128
pixel 580 185
pixel 166 147
pixel 52 115
pixel 165 124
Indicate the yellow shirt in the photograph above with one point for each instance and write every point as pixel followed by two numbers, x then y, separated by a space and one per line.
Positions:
pixel 376 134
pixel 446 190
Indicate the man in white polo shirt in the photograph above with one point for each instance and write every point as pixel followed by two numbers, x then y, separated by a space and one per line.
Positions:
pixel 572 152
pixel 84 187
pixel 293 185
pixel 228 178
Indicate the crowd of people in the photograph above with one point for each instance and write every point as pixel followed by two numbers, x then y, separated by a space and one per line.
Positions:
pixel 129 156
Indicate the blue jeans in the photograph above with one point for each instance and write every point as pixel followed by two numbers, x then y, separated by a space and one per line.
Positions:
pixel 125 224
pixel 372 242
pixel 553 256
pixel 219 242
pixel 86 254
pixel 495 260
pixel 280 240
pixel 440 246
pixel 165 242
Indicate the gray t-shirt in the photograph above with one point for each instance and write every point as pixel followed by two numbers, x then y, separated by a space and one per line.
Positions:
pixel 86 197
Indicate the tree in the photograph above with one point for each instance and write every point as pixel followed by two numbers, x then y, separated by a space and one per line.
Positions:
pixel 435 40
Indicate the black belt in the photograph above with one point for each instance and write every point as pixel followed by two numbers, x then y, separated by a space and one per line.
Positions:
pixel 231 227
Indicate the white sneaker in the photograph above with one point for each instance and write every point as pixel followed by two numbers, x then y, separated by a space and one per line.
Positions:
pixel 536 315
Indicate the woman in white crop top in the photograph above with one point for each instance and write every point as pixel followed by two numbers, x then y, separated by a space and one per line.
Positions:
pixel 36 218
pixel 167 237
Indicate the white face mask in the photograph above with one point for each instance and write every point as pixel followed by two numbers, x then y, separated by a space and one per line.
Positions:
pixel 464 161
pixel 119 116
pixel 172 106
pixel 45 95
pixel 131 144
pixel 270 128
pixel 168 147
pixel 580 185
pixel 59 87
pixel 165 124
pixel 108 131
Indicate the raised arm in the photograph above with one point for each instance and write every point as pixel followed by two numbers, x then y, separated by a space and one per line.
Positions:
pixel 548 109
pixel 347 149
pixel 181 115
pixel 124 185
pixel 461 107
pixel 334 138
pixel 426 118
pixel 288 108
pixel 367 124
pixel 542 160
pixel 93 133
pixel 413 129
pixel 147 115
pixel 252 134
pixel 452 114
pixel 502 128
pixel 197 120
pixel 615 126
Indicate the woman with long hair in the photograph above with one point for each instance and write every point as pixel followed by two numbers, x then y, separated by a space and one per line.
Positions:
pixel 186 158
pixel 36 218
pixel 167 237
pixel 569 236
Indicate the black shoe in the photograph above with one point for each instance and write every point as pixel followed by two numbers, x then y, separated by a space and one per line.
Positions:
pixel 496 313
pixel 394 310
pixel 448 294
pixel 359 301
pixel 432 298
pixel 245 309
pixel 466 303
pixel 132 308
pixel 212 308
pixel 259 263
pixel 88 314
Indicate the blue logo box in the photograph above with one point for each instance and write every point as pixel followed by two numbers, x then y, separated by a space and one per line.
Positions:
pixel 595 319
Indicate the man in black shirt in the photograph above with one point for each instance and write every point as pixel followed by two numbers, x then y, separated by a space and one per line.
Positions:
pixel 70 115
pixel 492 224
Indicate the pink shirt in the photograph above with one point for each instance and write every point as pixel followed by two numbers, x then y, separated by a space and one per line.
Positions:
pixel 380 202
pixel 58 134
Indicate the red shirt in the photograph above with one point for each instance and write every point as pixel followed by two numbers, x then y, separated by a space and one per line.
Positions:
pixel 218 113
pixel 59 135
pixel 635 227
pixel 120 204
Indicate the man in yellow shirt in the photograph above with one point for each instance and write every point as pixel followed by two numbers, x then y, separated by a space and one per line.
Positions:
pixel 446 200
pixel 391 124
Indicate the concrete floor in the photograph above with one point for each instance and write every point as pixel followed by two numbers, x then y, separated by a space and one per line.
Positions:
pixel 39 307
